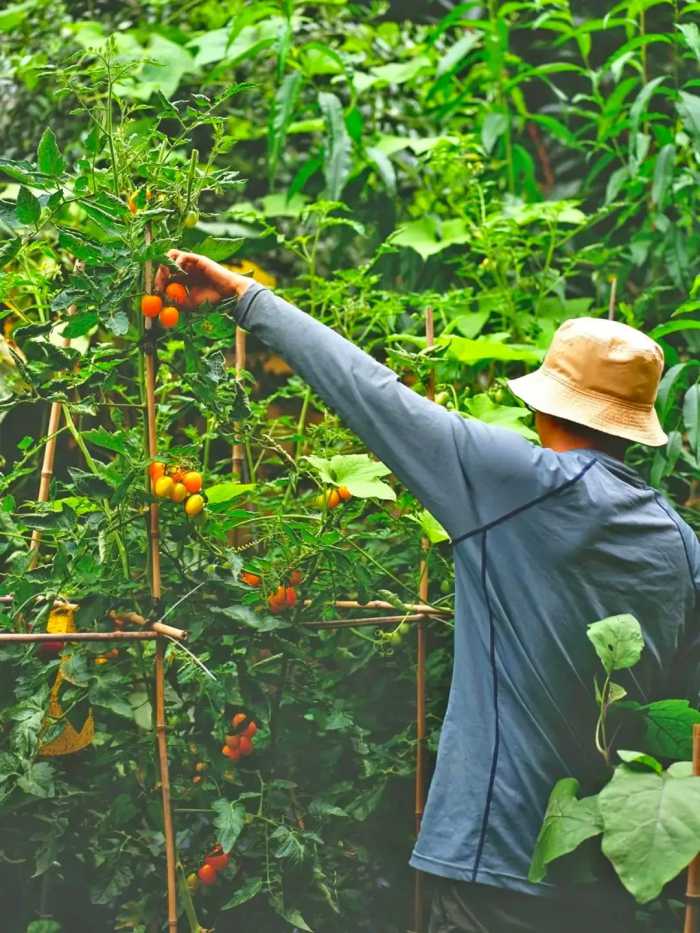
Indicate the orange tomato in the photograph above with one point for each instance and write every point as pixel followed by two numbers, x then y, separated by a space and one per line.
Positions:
pixel 344 493
pixel 156 470
pixel 250 578
pixel 207 874
pixel 177 293
pixel 233 753
pixel 295 577
pixel 193 481
pixel 250 730
pixel 169 316
pixel 238 720
pixel 151 305
pixel 177 473
pixel 290 596
pixel 246 746
pixel 333 499
pixel 276 601
pixel 233 741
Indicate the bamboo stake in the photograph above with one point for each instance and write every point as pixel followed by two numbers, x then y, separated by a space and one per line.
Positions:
pixel 237 456
pixel 358 623
pixel 154 548
pixel 423 581
pixel 613 297
pixel 692 890
pixel 49 452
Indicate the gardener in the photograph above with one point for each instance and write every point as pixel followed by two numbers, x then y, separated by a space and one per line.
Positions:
pixel 546 540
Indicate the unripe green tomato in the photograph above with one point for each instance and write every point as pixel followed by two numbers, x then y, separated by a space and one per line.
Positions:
pixel 403 629
pixel 394 638
pixel 445 587
pixel 191 219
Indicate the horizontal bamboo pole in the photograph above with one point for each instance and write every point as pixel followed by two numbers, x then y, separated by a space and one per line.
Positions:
pixel 25 637
pixel 358 623
pixel 136 618
pixel 423 608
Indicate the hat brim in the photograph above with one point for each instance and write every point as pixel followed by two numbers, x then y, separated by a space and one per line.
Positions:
pixel 546 393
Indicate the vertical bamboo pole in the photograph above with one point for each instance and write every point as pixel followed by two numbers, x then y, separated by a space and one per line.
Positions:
pixel 49 454
pixel 692 889
pixel 154 549
pixel 613 298
pixel 237 457
pixel 423 581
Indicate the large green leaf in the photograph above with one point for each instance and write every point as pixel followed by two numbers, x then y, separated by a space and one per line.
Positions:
pixel 688 107
pixel 224 492
pixel 617 640
pixel 651 827
pixel 669 728
pixel 228 822
pixel 337 156
pixel 428 235
pixel 474 351
pixel 691 417
pixel 483 407
pixel 356 471
pixel 247 891
pixel 568 821
pixel 430 526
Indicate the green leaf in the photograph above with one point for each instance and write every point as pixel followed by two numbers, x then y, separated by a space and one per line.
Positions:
pixel 48 154
pixel 399 72
pixel 483 407
pixel 663 173
pixel 673 327
pixel 224 492
pixel 27 209
pixel 617 640
pixel 229 822
pixel 356 471
pixel 458 51
pixel 691 34
pixel 567 823
pixel 669 728
pixel 691 417
pixel 384 166
pixel 142 710
pixel 80 324
pixel 483 348
pixel 430 526
pixel 110 440
pixel 688 107
pixel 281 114
pixel 494 126
pixel 246 892
pixel 428 236
pixel 219 248
pixel 337 157
pixel 648 762
pixel 651 828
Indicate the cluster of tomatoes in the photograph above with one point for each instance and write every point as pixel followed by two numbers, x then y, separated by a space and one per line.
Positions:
pixel 331 498
pixel 283 597
pixel 240 743
pixel 208 872
pixel 177 298
pixel 179 485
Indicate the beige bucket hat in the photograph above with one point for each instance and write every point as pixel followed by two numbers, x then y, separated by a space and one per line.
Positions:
pixel 602 374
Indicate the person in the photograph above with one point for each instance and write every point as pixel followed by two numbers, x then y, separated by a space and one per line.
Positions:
pixel 546 540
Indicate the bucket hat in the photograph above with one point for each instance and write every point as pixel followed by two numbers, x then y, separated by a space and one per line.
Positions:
pixel 601 374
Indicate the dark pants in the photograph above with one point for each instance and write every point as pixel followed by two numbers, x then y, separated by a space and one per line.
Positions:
pixel 460 907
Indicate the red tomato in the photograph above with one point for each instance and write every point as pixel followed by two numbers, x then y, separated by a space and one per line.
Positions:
pixel 238 720
pixel 246 746
pixel 250 730
pixel 295 578
pixel 207 874
pixel 217 862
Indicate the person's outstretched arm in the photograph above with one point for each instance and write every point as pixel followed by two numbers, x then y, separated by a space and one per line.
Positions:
pixel 454 466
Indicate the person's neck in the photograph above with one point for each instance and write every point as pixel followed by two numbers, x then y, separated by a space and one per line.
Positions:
pixel 563 441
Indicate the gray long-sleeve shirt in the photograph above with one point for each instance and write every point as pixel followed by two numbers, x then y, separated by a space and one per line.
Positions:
pixel 544 544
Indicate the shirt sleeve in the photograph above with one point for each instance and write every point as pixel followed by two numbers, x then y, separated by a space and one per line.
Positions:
pixel 466 473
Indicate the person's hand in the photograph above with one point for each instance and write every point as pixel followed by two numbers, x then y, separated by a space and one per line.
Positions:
pixel 208 281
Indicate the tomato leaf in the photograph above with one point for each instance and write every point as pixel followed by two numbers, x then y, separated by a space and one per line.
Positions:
pixel 229 822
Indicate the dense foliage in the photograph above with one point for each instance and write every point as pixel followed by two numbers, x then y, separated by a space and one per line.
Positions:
pixel 508 165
